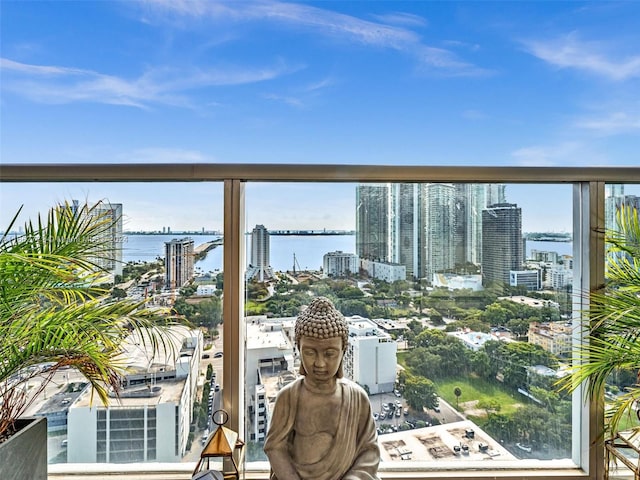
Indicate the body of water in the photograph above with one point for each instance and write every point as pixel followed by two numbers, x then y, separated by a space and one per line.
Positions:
pixel 308 250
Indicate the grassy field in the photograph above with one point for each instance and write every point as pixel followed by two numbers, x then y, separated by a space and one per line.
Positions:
pixel 477 389
pixel 474 389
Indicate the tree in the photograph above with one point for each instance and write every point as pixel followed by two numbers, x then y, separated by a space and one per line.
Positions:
pixel 519 326
pixel 210 312
pixel 420 393
pixel 54 309
pixel 118 293
pixel 613 338
pixel 457 392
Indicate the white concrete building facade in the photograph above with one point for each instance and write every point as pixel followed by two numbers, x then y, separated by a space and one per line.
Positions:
pixel 389 272
pixel 151 419
pixel 339 264
pixel 370 359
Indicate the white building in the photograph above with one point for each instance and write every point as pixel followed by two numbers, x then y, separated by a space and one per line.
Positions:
pixel 387 271
pixel 339 264
pixel 206 290
pixel 457 282
pixel 270 353
pixel 531 279
pixel 473 340
pixel 370 359
pixel 560 277
pixel 545 256
pixel 150 421
pixel 259 267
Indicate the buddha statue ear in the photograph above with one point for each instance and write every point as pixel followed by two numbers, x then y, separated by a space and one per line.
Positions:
pixel 302 370
pixel 340 372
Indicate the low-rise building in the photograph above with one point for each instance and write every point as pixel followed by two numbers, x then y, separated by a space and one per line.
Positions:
pixel 387 271
pixel 530 279
pixel 531 302
pixel 554 337
pixel 451 443
pixel 150 418
pixel 205 290
pixel 454 281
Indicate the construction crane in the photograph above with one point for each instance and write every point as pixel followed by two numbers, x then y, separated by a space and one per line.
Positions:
pixel 295 264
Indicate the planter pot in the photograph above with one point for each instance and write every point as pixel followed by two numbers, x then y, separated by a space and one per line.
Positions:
pixel 24 455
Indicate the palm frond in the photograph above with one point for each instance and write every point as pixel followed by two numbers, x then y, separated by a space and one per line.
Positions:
pixel 54 309
pixel 613 335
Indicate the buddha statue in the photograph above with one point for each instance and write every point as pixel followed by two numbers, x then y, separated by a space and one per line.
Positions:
pixel 322 427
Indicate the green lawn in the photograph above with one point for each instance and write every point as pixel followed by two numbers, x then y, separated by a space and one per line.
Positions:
pixel 474 389
pixel 477 389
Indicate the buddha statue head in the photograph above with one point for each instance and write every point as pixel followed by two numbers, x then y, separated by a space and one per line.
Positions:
pixel 321 320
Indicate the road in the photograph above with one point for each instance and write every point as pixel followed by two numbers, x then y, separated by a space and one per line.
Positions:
pixel 193 454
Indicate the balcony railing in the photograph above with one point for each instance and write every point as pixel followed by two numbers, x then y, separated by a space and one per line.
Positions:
pixel 588 184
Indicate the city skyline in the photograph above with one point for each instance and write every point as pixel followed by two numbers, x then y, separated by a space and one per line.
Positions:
pixel 328 206
pixel 380 83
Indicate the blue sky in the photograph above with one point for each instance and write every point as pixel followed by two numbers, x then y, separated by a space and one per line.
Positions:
pixel 413 83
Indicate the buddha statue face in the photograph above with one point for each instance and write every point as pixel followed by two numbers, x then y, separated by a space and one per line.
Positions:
pixel 324 331
pixel 321 358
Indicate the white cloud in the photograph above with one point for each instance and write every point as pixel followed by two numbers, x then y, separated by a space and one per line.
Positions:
pixel 163 155
pixel 287 99
pixel 564 154
pixel 571 52
pixel 326 23
pixel 612 123
pixel 401 18
pixel 167 86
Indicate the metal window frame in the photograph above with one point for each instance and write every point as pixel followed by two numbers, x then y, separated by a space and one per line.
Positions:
pixel 588 204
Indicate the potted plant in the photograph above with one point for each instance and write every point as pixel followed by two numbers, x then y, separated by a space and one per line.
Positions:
pixel 56 310
pixel 612 349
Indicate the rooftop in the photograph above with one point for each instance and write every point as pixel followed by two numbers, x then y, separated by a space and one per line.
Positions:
pixel 441 443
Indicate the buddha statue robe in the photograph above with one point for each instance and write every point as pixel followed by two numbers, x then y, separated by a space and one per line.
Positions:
pixel 354 453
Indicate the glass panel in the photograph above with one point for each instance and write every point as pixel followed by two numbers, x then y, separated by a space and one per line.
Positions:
pixel 166 251
pixel 458 298
pixel 622 264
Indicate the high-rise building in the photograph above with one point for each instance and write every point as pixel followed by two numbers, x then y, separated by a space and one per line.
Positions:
pixel 471 199
pixel 114 237
pixel 407 243
pixel 111 237
pixel 260 267
pixel 438 231
pixel 427 228
pixel 339 264
pixel 178 262
pixel 502 245
pixel 372 221
pixel 614 204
